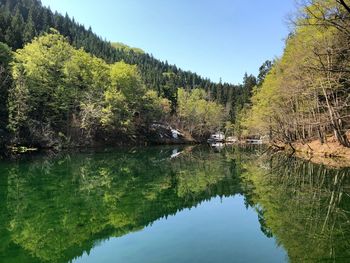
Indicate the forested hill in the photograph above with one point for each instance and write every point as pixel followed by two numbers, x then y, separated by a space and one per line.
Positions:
pixel 305 96
pixel 22 20
pixel 63 85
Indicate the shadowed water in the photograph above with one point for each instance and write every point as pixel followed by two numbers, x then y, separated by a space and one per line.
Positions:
pixel 173 204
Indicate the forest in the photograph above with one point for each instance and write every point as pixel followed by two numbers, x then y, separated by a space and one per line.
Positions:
pixel 305 96
pixel 61 84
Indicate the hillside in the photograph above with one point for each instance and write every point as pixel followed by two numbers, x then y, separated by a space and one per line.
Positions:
pixel 91 91
pixel 22 20
pixel 305 96
pixel 125 48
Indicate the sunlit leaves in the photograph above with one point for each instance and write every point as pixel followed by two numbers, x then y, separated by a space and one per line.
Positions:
pixel 199 115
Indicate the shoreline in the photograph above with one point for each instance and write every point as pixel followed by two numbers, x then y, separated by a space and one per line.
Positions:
pixel 331 153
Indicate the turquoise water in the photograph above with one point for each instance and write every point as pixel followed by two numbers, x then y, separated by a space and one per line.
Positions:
pixel 173 204
pixel 219 230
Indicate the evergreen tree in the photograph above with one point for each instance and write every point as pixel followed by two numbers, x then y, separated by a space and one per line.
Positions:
pixel 29 30
pixel 5 83
pixel 263 71
pixel 13 35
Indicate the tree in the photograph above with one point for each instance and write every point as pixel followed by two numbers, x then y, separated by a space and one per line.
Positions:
pixel 304 96
pixel 22 20
pixel 263 71
pixel 197 115
pixel 5 83
pixel 345 5
pixel 40 98
pixel 29 31
pixel 73 93
pixel 13 34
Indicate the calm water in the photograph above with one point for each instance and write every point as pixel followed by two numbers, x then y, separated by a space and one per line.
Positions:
pixel 173 204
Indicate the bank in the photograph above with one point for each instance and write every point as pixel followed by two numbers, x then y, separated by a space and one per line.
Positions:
pixel 330 153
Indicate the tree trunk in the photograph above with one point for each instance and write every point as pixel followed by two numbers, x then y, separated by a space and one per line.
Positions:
pixel 337 126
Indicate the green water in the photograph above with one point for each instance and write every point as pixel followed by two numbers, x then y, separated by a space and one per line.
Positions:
pixel 173 204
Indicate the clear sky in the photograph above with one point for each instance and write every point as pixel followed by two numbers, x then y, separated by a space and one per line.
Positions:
pixel 215 38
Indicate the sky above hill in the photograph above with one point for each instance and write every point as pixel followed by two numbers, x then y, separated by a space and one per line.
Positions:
pixel 214 38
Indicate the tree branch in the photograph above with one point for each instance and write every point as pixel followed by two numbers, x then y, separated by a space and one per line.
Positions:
pixel 342 2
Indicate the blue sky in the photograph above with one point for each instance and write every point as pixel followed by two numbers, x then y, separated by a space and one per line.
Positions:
pixel 215 38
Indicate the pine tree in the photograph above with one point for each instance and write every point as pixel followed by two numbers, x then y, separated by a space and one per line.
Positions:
pixel 5 83
pixel 14 33
pixel 29 31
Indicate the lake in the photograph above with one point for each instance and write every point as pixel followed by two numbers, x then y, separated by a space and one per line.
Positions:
pixel 173 204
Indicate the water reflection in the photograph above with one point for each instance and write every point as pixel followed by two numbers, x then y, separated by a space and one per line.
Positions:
pixel 57 209
pixel 306 207
pixel 54 210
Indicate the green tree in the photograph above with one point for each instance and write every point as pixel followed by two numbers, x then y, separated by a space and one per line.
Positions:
pixel 29 31
pixel 5 83
pixel 197 115
pixel 14 33
pixel 40 98
pixel 263 71
pixel 304 95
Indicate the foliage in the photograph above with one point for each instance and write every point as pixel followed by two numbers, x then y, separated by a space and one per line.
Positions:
pixel 199 116
pixel 5 82
pixel 60 91
pixel 39 74
pixel 305 95
pixel 69 82
pixel 124 47
pixel 22 20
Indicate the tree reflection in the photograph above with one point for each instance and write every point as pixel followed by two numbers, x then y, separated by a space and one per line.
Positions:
pixel 57 209
pixel 304 205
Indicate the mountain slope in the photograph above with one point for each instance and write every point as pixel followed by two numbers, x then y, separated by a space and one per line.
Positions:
pixel 22 20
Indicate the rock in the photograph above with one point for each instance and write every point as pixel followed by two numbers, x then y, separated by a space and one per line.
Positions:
pixel 160 133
